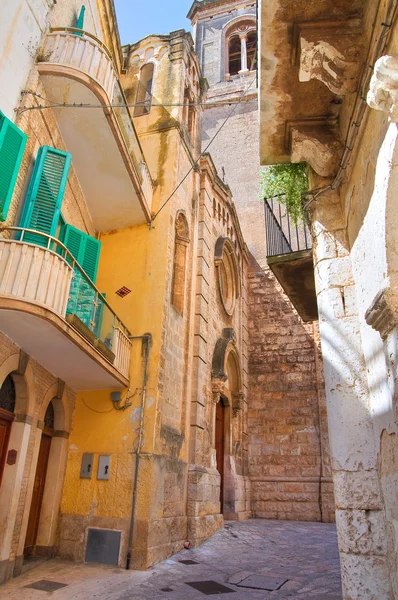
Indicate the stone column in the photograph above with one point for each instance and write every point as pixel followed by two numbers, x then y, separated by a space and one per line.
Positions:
pixel 243 40
pixel 359 507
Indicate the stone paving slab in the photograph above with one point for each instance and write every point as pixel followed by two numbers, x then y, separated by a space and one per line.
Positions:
pixel 303 553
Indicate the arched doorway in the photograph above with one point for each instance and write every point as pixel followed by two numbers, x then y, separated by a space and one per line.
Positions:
pixel 220 446
pixel 39 481
pixel 7 408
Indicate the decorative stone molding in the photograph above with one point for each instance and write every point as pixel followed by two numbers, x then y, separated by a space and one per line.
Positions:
pixel 237 402
pixel 383 311
pixel 383 92
pixel 317 145
pixel 329 51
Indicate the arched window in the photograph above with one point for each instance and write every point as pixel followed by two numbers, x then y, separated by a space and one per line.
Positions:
pixel 180 259
pixel 241 47
pixel 234 55
pixel 7 395
pixel 144 91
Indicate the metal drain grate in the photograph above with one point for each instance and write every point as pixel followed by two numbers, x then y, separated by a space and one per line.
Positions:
pixel 210 588
pixel 188 562
pixel 262 582
pixel 166 589
pixel 44 585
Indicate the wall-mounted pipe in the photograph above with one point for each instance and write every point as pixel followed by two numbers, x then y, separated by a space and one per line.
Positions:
pixel 147 338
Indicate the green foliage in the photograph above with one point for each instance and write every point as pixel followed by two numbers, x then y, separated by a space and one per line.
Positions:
pixel 288 181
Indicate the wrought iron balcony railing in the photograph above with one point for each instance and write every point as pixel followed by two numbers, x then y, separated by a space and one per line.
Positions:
pixel 283 235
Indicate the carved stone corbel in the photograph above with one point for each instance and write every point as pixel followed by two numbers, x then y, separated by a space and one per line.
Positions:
pixel 383 92
pixel 329 51
pixel 217 388
pixel 317 145
pixel 383 312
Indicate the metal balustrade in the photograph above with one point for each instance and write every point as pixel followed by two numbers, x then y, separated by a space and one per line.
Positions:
pixel 283 235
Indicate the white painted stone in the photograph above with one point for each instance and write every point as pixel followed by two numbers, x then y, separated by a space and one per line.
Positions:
pixel 357 489
pixel 361 532
pixel 365 577
pixel 383 92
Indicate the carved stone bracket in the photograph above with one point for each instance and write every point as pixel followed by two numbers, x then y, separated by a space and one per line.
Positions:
pixel 318 145
pixel 383 92
pixel 330 51
pixel 383 312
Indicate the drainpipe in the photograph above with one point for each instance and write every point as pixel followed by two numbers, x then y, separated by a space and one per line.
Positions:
pixel 148 340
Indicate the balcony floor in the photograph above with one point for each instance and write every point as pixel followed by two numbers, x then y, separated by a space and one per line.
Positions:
pixel 295 273
pixel 99 157
pixel 57 346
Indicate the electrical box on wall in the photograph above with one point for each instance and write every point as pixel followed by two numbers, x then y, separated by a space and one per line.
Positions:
pixel 86 470
pixel 104 466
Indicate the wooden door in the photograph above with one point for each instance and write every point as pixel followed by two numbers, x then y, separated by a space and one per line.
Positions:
pixel 6 419
pixel 37 498
pixel 220 441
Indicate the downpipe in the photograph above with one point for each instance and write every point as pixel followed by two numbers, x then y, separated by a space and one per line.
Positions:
pixel 147 338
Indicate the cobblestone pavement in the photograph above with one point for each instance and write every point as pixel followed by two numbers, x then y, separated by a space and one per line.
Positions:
pixel 304 554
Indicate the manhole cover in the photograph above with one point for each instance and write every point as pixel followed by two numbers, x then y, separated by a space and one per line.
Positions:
pixel 46 586
pixel 188 562
pixel 262 582
pixel 166 589
pixel 209 588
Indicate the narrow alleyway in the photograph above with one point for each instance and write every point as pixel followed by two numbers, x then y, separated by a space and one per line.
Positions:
pixel 257 552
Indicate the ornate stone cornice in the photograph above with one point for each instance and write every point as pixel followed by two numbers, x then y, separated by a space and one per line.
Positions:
pixel 383 92
pixel 383 312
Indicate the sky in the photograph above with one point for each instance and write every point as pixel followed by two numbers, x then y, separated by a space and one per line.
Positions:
pixel 138 18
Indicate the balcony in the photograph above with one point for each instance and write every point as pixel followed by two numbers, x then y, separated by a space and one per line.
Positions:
pixel 289 256
pixel 51 309
pixel 78 74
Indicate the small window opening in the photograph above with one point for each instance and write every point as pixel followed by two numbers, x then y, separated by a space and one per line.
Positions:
pixel 144 91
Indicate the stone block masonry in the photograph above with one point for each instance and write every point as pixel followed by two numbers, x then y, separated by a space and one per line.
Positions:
pixel 288 438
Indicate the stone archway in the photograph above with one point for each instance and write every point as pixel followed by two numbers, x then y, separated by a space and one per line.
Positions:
pixel 19 454
pixel 227 402
pixel 57 440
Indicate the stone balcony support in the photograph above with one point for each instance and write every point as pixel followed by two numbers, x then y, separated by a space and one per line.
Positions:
pixel 316 144
pixel 330 52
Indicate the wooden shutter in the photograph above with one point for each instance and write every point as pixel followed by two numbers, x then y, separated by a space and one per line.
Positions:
pixel 84 248
pixel 12 146
pixel 45 194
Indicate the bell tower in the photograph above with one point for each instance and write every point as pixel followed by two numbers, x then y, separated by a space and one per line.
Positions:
pixel 225 35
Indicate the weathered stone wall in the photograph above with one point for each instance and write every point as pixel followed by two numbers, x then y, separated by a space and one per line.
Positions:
pixel 288 439
pixel 217 219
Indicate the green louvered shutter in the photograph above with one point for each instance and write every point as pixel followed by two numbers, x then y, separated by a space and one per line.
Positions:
pixel 12 146
pixel 84 248
pixel 91 257
pixel 45 194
